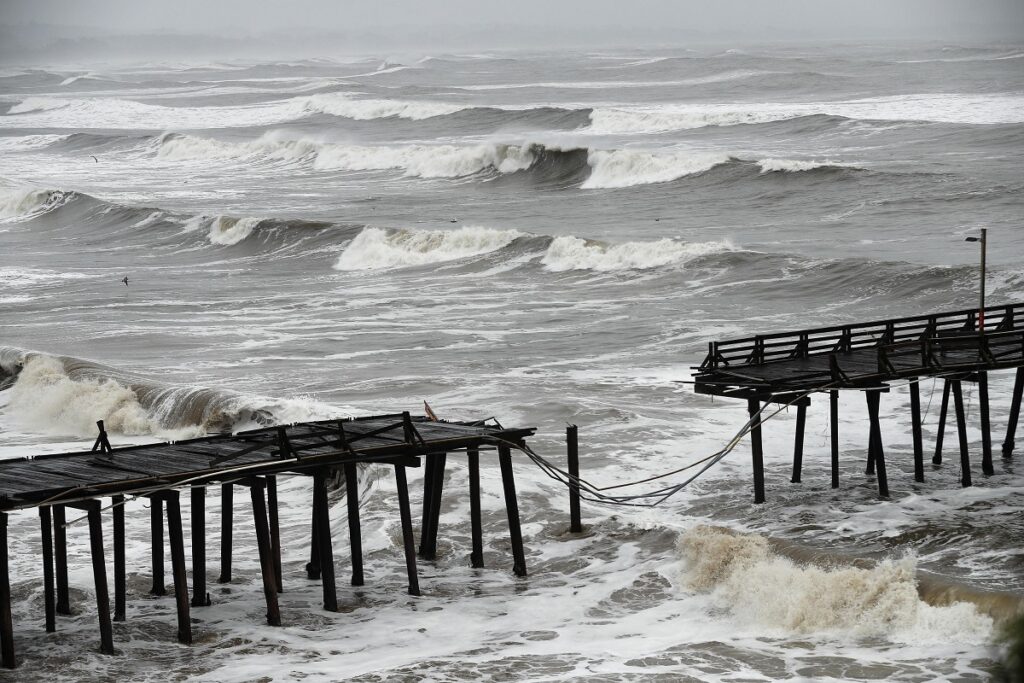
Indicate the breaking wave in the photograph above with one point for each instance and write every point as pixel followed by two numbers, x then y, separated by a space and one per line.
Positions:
pixel 378 249
pixel 24 203
pixel 66 395
pixel 625 168
pixel 574 253
pixel 744 574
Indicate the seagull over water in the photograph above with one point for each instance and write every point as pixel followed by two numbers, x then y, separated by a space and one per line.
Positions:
pixel 125 280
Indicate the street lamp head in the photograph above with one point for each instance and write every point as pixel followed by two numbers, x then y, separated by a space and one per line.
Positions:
pixel 972 239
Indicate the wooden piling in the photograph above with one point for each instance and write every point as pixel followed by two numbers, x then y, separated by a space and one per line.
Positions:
pixel 986 431
pixel 476 557
pixel 512 508
pixel 757 454
pixel 6 622
pixel 227 520
pixel 878 457
pixel 798 442
pixel 313 566
pixel 408 541
pixel 872 442
pixel 940 432
pixel 60 556
pixel 961 429
pixel 833 404
pixel 432 507
pixel 259 513
pixel 99 573
pixel 429 465
pixel 915 429
pixel 275 529
pixel 156 523
pixel 49 602
pixel 573 452
pixel 120 578
pixel 354 532
pixel 325 549
pixel 200 598
pixel 178 571
pixel 1011 427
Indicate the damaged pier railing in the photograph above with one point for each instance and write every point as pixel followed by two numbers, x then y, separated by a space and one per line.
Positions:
pixel 788 367
pixel 253 459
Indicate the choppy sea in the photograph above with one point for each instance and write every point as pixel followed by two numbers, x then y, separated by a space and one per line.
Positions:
pixel 545 237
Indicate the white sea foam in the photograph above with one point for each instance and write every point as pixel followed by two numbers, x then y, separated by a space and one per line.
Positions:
pixel 341 104
pixel 793 165
pixel 573 253
pixel 25 202
pixel 745 575
pixel 31 277
pixel 222 230
pixel 626 167
pixel 377 249
pixel 945 108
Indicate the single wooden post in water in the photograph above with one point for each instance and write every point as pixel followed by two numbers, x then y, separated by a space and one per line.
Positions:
pixel 512 508
pixel 407 537
pixel 573 452
pixel 6 622
pixel 432 511
pixel 200 598
pixel 99 573
pixel 874 398
pixel 49 603
pixel 275 529
pixel 754 409
pixel 227 520
pixel 986 431
pixel 833 404
pixel 429 465
pixel 259 514
pixel 325 549
pixel 872 443
pixel 313 566
pixel 60 556
pixel 156 523
pixel 961 428
pixel 476 557
pixel 120 579
pixel 915 428
pixel 941 428
pixel 1011 427
pixel 178 571
pixel 798 442
pixel 354 532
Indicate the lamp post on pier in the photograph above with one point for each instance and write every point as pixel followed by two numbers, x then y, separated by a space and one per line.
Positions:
pixel 981 304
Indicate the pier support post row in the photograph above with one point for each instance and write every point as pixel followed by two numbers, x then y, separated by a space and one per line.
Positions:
pixel 798 442
pixel 257 491
pixel 408 541
pixel 961 430
pixel 941 428
pixel 915 429
pixel 324 545
pixel 512 508
pixel 433 483
pixel 876 455
pixel 573 452
pixel 476 557
pixel 227 522
pixel 833 405
pixel 1011 427
pixel 754 409
pixel 6 622
pixel 200 598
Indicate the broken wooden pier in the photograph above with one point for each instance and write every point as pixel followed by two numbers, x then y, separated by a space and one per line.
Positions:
pixel 254 460
pixel 789 367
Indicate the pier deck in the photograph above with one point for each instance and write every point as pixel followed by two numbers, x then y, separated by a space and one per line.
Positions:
pixel 324 451
pixel 789 367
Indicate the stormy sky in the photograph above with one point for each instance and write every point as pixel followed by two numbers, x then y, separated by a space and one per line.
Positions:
pixel 32 27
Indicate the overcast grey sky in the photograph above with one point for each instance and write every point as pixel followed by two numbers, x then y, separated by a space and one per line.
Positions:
pixel 441 24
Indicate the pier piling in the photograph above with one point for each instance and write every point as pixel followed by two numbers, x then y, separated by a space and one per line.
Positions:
pixel 354 531
pixel 833 404
pixel 573 453
pixel 940 429
pixel 275 528
pixel 757 454
pixel 200 598
pixel 179 574
pixel 60 557
pixel 476 557
pixel 227 521
pixel 798 442
pixel 1011 427
pixel 49 604
pixel 120 578
pixel 512 508
pixel 408 541
pixel 915 428
pixel 878 454
pixel 156 523
pixel 257 491
pixel 986 431
pixel 99 573
pixel 961 430
pixel 325 546
pixel 6 623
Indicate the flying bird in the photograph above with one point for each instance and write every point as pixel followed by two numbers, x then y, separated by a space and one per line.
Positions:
pixel 125 280
pixel 94 158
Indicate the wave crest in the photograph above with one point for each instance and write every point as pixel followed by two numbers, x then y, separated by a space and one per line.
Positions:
pixel 625 168
pixel 378 249
pixel 24 203
pixel 573 253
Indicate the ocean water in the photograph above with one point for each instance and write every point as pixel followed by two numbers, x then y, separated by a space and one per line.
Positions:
pixel 545 237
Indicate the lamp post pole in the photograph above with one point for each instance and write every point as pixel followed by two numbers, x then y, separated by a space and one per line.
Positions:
pixel 981 302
